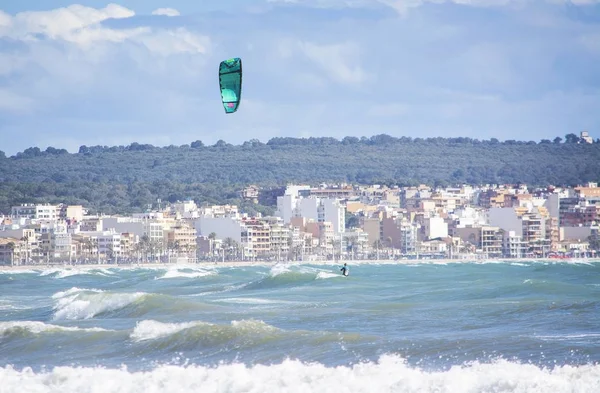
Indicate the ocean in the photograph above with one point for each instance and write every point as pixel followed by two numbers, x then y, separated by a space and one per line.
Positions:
pixel 418 326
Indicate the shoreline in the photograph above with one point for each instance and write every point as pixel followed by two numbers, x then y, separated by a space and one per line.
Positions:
pixel 229 264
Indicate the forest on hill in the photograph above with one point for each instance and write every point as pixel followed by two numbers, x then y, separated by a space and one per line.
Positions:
pixel 124 179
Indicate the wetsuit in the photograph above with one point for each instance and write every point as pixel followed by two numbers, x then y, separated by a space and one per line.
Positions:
pixel 345 270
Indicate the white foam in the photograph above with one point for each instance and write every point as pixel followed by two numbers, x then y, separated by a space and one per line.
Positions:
pixel 253 326
pixel 390 374
pixel 326 275
pixel 37 327
pixel 77 303
pixel 176 273
pixel 568 337
pixel 278 269
pixel 18 271
pixel 75 271
pixel 151 330
pixel 48 272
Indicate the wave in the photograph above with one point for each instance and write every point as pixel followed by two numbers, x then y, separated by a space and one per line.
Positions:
pixel 326 275
pixel 290 275
pixel 390 373
pixel 182 335
pixel 18 271
pixel 77 303
pixel 80 303
pixel 151 330
pixel 239 334
pixel 70 272
pixel 181 273
pixel 580 337
pixel 36 327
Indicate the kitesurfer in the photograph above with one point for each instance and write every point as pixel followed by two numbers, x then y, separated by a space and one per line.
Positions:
pixel 345 270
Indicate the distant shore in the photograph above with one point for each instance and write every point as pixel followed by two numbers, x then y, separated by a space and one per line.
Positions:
pixel 208 264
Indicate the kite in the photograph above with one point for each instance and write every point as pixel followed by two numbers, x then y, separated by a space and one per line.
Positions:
pixel 230 80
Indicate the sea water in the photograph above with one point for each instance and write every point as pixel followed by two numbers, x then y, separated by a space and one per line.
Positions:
pixel 527 326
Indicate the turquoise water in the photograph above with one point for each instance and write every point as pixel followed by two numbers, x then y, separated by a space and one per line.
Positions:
pixel 419 327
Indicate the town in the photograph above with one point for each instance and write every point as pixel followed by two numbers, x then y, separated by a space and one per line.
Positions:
pixel 327 222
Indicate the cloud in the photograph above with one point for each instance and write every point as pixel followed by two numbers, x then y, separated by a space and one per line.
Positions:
pixel 72 68
pixel 166 12
pixel 69 24
pixel 403 6
pixel 336 60
pixel 83 26
pixel 12 102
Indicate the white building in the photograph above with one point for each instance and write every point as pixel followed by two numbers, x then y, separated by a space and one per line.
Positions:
pixel 108 242
pixel 435 227
pixel 124 225
pixel 186 209
pixel 468 216
pixel 223 227
pixel 38 212
pixel 333 212
pixel 505 218
pixel 287 203
pixel 313 208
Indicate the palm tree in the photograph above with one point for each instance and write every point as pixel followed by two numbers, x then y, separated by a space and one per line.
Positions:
pixel 211 242
pixel 229 244
pixel 144 246
pixel 11 247
pixel 377 244
pixel 25 239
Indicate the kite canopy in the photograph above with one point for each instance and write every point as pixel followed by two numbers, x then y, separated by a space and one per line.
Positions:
pixel 230 80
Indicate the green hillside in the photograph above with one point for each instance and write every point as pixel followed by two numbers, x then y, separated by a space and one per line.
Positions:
pixel 127 178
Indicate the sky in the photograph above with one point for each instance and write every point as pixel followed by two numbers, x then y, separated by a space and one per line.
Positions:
pixel 146 71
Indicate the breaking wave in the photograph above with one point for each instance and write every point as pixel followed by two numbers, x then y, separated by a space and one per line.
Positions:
pixel 389 374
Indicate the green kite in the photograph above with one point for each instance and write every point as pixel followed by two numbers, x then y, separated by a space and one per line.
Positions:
pixel 230 80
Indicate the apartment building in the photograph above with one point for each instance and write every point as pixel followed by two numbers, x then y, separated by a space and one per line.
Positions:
pixel 255 237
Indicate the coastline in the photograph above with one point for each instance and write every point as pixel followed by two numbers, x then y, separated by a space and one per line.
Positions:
pixel 230 264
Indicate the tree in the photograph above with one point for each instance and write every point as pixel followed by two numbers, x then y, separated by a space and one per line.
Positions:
pixel 557 140
pixel 350 140
pixel 197 145
pixel 11 248
pixel 352 220
pixel 571 138
pixel 594 242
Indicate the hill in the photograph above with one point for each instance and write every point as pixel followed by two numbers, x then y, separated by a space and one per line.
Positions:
pixel 122 179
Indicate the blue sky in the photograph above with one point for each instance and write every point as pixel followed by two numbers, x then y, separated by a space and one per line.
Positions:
pixel 146 70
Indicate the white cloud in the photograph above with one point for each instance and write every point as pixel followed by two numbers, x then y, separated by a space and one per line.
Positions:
pixel 337 60
pixel 5 19
pixel 61 23
pixel 14 103
pixel 166 12
pixel 403 6
pixel 66 58
pixel 180 40
pixel 82 26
